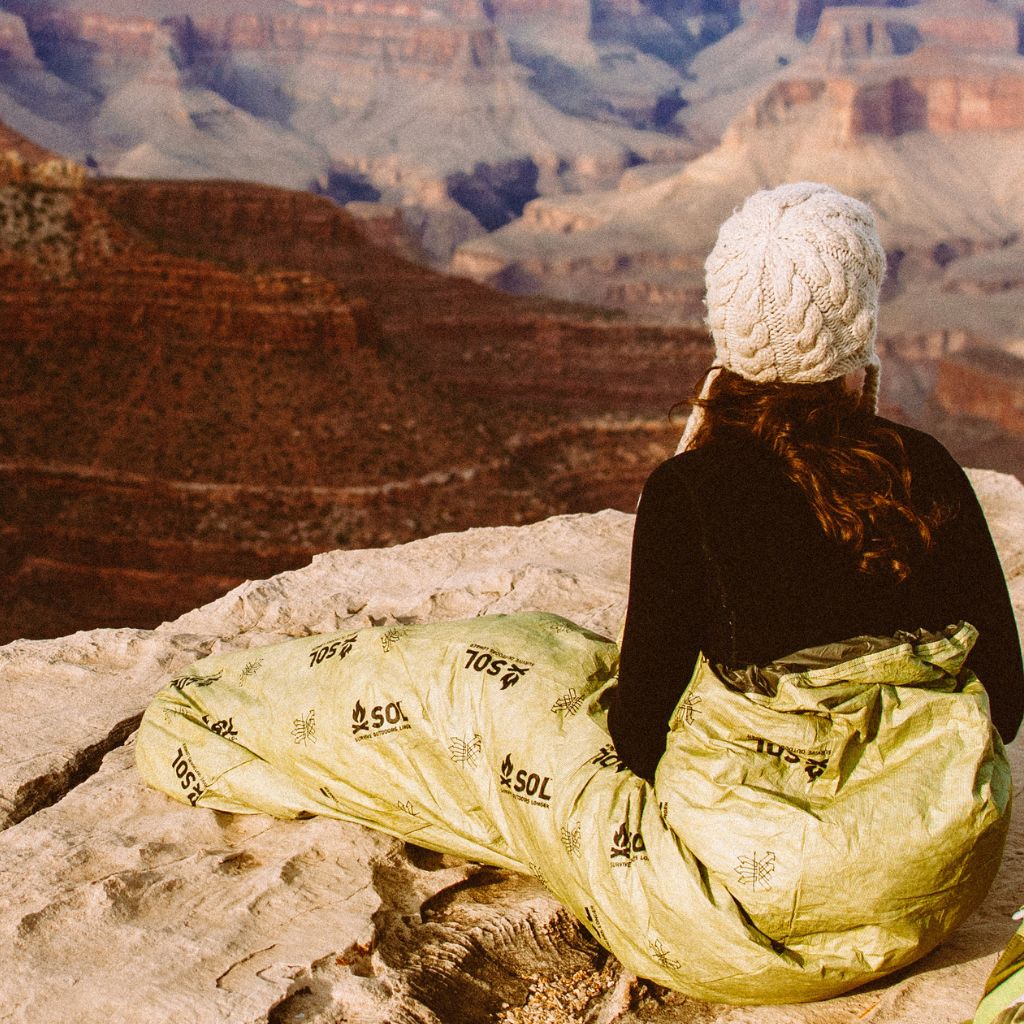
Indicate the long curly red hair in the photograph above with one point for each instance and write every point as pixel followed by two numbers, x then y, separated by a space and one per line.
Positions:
pixel 852 468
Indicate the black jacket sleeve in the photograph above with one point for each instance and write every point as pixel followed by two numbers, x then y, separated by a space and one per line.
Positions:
pixel 664 619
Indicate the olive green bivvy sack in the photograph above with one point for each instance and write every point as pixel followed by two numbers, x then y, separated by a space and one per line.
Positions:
pixel 814 824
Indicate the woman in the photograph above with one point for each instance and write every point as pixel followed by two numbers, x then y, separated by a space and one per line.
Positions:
pixel 794 516
pixel 487 738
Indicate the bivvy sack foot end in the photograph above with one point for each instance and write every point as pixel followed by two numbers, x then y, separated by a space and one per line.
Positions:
pixel 804 835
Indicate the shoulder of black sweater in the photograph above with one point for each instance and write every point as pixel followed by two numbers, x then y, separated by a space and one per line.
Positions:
pixel 933 469
pixel 720 456
pixel 723 454
pixel 921 446
pixel 974 569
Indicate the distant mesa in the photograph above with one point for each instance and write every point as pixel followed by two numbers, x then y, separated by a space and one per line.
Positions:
pixel 12 142
pixel 930 139
pixel 427 105
pixel 457 112
pixel 24 162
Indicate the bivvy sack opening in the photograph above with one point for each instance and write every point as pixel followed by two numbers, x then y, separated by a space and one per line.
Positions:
pixel 814 824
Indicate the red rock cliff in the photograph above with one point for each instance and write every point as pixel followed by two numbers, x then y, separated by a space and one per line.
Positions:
pixel 226 378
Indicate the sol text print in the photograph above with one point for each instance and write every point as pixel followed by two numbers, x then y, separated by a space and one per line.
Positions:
pixel 493 663
pixel 188 775
pixel 525 785
pixel 333 649
pixel 814 761
pixel 380 720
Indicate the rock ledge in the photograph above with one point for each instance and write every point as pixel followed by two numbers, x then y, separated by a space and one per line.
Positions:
pixel 121 905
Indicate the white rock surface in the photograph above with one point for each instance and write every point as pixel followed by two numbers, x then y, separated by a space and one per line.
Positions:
pixel 117 904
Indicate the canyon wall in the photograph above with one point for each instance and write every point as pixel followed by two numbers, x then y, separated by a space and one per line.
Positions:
pixel 212 381
pixel 500 103
pixel 986 384
pixel 881 30
pixel 223 318
pixel 209 381
pixel 971 100
pixel 97 41
pixel 931 138
pixel 305 94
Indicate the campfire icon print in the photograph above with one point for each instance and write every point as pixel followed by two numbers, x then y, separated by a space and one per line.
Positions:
pixel 360 723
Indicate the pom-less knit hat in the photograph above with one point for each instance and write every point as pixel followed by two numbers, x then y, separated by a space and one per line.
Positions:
pixel 792 290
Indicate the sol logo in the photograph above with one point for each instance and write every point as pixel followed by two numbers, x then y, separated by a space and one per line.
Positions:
pixel 488 662
pixel 182 682
pixel 813 762
pixel 188 775
pixel 380 720
pixel 225 727
pixel 607 758
pixel 627 844
pixel 331 649
pixel 529 787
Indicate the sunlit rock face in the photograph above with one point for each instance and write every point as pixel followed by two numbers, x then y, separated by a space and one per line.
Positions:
pixel 221 918
pixel 460 112
pixel 797 90
pixel 457 111
pixel 915 108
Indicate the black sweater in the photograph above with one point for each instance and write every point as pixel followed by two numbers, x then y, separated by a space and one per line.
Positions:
pixel 729 559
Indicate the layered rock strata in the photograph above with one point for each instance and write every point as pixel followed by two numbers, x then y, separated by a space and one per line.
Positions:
pixel 421 104
pixel 984 383
pixel 206 382
pixel 460 113
pixel 839 127
pixel 930 139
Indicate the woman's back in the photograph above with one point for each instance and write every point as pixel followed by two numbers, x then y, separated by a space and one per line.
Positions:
pixel 730 559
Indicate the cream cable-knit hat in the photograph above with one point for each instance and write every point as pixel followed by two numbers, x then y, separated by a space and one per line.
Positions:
pixel 792 290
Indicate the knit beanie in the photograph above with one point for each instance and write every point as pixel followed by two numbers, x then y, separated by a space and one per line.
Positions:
pixel 792 290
